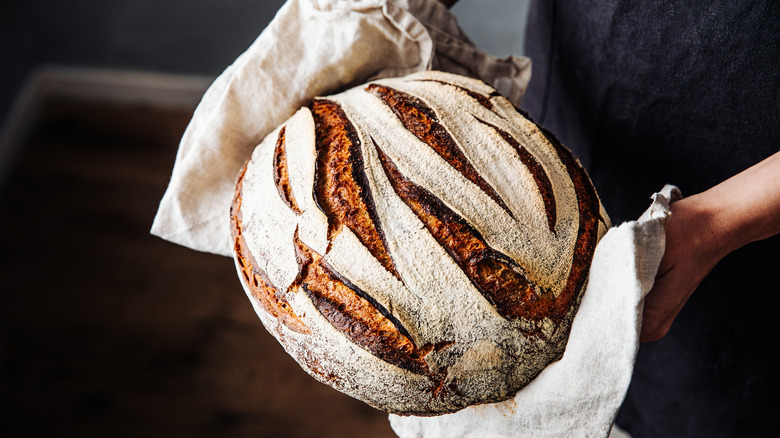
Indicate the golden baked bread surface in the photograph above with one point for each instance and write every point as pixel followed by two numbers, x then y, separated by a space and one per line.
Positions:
pixel 254 278
pixel 416 242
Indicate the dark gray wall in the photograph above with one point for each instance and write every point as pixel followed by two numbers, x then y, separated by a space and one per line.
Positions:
pixel 495 26
pixel 193 37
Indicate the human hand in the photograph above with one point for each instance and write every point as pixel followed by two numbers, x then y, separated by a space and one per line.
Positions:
pixel 703 229
pixel 692 250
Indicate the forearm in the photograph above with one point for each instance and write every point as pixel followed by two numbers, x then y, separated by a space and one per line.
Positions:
pixel 703 229
pixel 744 208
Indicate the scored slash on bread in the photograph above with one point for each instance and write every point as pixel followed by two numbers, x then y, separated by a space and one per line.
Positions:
pixel 416 243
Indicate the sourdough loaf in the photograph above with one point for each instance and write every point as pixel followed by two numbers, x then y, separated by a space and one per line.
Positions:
pixel 416 242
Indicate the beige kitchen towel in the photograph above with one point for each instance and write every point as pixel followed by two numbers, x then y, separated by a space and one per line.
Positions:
pixel 579 395
pixel 311 48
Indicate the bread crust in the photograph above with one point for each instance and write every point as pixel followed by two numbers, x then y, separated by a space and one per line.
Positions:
pixel 416 243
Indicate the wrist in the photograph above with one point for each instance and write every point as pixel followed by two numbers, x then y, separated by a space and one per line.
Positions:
pixel 746 207
pixel 700 225
pixel 732 219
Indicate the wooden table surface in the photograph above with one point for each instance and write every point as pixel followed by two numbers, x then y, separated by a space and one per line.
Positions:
pixel 106 330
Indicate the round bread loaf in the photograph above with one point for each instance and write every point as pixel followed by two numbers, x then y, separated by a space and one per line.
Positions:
pixel 416 242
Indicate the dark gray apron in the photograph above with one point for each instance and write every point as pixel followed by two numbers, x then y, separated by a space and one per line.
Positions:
pixel 654 92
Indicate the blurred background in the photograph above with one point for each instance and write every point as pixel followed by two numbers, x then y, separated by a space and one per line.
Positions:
pixel 104 329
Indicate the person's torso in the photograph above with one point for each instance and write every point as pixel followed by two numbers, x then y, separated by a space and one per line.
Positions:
pixel 687 93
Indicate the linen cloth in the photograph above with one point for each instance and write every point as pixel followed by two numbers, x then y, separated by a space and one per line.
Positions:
pixel 319 47
pixel 311 48
pixel 579 395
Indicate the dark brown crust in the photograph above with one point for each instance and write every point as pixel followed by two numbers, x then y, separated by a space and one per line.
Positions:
pixel 282 175
pixel 421 120
pixel 343 194
pixel 256 279
pixel 354 313
pixel 537 171
pixel 588 205
pixel 342 190
pixel 480 98
pixel 493 273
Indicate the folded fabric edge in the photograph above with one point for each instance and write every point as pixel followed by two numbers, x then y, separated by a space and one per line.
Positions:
pixel 456 53
pixel 161 228
pixel 174 220
pixel 434 29
pixel 647 240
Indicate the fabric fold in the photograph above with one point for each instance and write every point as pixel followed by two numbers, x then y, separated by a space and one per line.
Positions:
pixel 580 394
pixel 311 48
